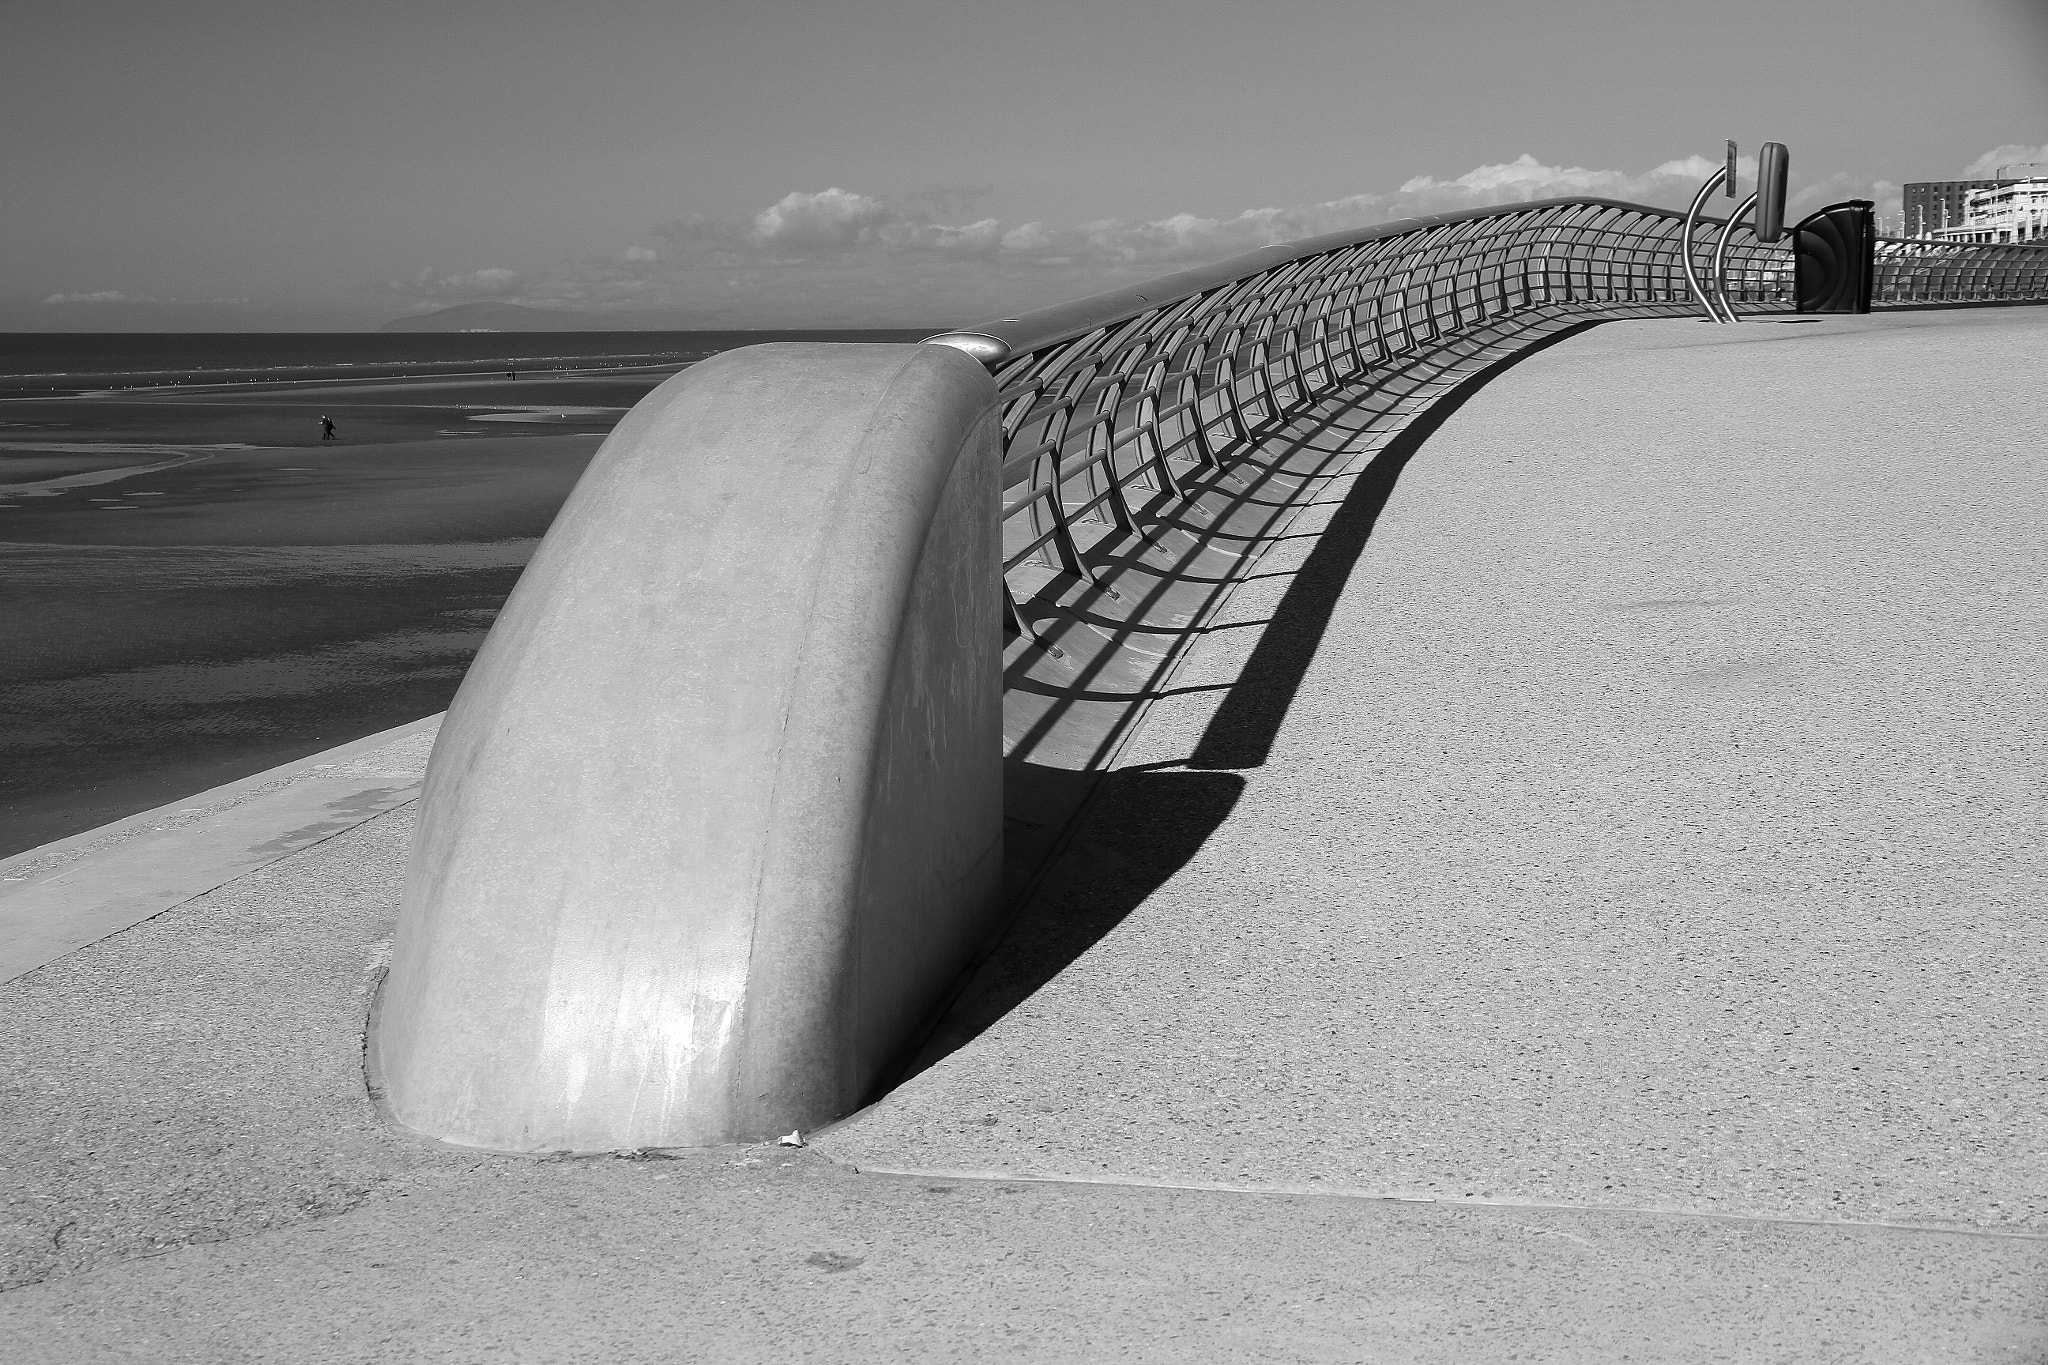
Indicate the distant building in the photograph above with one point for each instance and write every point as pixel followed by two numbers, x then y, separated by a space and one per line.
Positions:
pixel 1932 205
pixel 2012 211
pixel 1941 208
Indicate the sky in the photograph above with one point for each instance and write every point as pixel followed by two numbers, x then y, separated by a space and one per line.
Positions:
pixel 281 165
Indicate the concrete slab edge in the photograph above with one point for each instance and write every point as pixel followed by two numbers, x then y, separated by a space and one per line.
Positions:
pixel 64 895
pixel 1415 1197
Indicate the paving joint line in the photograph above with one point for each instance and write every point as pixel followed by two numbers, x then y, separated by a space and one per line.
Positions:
pixel 1353 1193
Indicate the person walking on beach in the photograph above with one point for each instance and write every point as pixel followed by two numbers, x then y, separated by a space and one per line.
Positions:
pixel 512 374
pixel 326 428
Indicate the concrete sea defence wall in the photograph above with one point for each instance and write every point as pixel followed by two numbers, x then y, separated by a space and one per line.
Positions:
pixel 717 812
pixel 717 815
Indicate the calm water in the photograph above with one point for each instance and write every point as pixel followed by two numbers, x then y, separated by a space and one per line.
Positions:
pixel 194 586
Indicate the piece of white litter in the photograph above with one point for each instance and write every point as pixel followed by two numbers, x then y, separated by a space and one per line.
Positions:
pixel 795 1139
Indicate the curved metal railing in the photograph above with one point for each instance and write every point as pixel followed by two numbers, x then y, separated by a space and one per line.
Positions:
pixel 1910 271
pixel 1117 397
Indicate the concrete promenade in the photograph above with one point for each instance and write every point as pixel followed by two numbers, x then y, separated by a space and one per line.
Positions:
pixel 1583 905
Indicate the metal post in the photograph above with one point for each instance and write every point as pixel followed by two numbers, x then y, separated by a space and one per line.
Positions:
pixel 1721 257
pixel 1692 217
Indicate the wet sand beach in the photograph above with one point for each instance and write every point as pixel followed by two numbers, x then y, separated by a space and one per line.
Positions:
pixel 195 586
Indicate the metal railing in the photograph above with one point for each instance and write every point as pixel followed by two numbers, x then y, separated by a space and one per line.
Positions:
pixel 1117 399
pixel 1912 271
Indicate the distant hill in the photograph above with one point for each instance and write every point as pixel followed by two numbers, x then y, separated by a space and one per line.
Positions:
pixel 518 317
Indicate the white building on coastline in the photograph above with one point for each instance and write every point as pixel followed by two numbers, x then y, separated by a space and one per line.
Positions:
pixel 2011 211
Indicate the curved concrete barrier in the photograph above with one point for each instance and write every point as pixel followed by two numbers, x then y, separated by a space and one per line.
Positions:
pixel 717 813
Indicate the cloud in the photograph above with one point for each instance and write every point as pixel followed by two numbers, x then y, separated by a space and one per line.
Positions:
pixel 1987 166
pixel 118 298
pixel 491 282
pixel 825 221
pixel 97 296
pixel 1028 237
pixel 1818 194
pixel 843 257
pixel 1670 185
pixel 1186 238
pixel 835 220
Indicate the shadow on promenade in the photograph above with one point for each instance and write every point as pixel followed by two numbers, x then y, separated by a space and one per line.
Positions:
pixel 1241 733
pixel 1103 842
pixel 1136 830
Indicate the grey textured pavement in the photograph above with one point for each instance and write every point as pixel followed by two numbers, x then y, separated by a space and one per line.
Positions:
pixel 194 1173
pixel 63 895
pixel 1656 824
pixel 1626 840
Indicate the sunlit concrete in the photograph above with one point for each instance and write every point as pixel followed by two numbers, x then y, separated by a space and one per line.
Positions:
pixel 57 898
pixel 194 1173
pixel 716 816
pixel 1656 824
pixel 1650 927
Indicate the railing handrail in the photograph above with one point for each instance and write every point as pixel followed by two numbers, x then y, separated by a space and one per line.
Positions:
pixel 717 815
pixel 1962 246
pixel 1003 338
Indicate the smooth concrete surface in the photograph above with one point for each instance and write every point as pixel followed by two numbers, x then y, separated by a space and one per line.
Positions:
pixel 192 1173
pixel 1641 809
pixel 191 1169
pixel 716 817
pixel 64 895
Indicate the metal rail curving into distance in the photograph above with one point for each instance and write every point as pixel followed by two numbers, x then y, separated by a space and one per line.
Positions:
pixel 1116 398
pixel 1125 412
pixel 1912 271
pixel 727 799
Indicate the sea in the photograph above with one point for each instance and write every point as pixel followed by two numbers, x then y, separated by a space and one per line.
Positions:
pixel 196 584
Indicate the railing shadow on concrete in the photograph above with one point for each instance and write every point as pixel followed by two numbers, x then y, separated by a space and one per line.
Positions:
pixel 1139 425
pixel 1145 824
pixel 711 833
